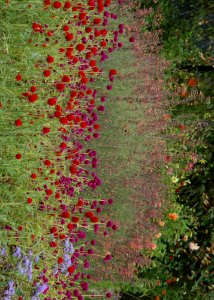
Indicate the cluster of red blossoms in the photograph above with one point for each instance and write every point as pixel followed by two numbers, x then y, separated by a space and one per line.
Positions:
pixel 69 107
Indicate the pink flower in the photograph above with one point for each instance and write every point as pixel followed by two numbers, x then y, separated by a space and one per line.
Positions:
pixel 193 246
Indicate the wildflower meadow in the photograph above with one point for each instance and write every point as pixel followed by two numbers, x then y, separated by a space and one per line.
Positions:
pixel 106 149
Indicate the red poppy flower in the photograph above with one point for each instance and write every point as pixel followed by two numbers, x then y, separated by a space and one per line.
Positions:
pixel 18 156
pixel 60 87
pixel 103 44
pixel 70 226
pixel 97 21
pixel 29 200
pixel 100 8
pixel 67 5
pixel 18 122
pixel 81 73
pixel 37 27
pixel 97 33
pixel 32 98
pixel 27 94
pixel 84 80
pixel 75 8
pixel 57 4
pixel 82 16
pixel 91 3
pixel 94 219
pixel 112 72
pixel 83 124
pixel 19 77
pixel 62 236
pixel 66 28
pixel 46 130
pixel 69 55
pixel 57 195
pixel 52 101
pixel 65 214
pixel 92 63
pixel 88 55
pixel 53 244
pixel 75 219
pixel 96 126
pixel 71 269
pixel 47 162
pixel 104 32
pixel 47 73
pixel 89 214
pixel 63 120
pixel 77 119
pixel 80 203
pixel 60 260
pixel 75 60
pixel 63 145
pixel 57 114
pixel 50 33
pixel 80 47
pixel 53 230
pixel 88 29
pixel 47 2
pixel 33 89
pixel 50 59
pixel 33 176
pixel 96 69
pixel 73 169
pixel 58 107
pixel 49 192
pixel 73 93
pixel 20 228
pixel 66 78
pixel 69 37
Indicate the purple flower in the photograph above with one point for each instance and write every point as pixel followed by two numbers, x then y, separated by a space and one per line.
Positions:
pixel 3 252
pixel 17 252
pixel 10 291
pixel 29 275
pixel 40 289
pixel 36 259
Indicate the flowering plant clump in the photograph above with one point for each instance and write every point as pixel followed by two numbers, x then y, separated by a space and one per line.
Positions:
pixel 52 56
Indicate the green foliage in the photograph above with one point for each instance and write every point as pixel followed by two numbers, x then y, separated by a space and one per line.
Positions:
pixel 182 263
pixel 187 28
